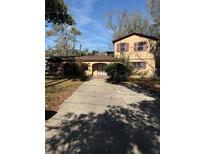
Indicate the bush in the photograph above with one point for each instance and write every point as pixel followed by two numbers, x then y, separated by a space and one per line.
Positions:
pixel 118 72
pixel 53 69
pixel 72 69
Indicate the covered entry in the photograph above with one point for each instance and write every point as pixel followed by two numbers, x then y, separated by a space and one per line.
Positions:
pixel 99 69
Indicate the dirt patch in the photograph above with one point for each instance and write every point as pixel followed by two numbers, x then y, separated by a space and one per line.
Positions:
pixel 57 91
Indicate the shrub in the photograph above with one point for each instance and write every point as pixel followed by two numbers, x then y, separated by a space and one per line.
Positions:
pixel 77 70
pixel 53 69
pixel 72 69
pixel 118 72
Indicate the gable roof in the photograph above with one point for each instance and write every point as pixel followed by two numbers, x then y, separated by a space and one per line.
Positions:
pixel 138 34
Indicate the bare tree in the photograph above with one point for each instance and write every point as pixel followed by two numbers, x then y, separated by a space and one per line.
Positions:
pixel 154 10
pixel 65 38
pixel 122 23
pixel 74 31
pixel 110 23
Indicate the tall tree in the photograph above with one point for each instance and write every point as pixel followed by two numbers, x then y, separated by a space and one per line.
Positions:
pixel 62 38
pixel 154 10
pixel 74 31
pixel 65 38
pixel 56 12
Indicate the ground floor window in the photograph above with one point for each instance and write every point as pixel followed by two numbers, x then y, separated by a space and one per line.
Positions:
pixel 139 65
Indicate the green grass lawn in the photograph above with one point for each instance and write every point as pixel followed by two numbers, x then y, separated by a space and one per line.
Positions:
pixel 151 84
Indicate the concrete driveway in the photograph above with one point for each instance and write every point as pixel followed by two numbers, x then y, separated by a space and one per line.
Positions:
pixel 105 118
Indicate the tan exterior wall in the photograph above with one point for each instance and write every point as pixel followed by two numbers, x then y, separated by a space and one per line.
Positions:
pixel 90 72
pixel 137 56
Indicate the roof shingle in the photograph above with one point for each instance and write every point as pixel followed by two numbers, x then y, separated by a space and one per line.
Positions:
pixel 138 34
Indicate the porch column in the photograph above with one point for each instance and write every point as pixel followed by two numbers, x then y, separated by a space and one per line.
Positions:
pixel 90 68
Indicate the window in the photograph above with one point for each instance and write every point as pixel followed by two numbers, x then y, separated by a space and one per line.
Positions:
pixel 139 65
pixel 122 47
pixel 140 46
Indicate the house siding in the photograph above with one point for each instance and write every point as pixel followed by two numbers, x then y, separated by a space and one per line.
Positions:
pixel 135 56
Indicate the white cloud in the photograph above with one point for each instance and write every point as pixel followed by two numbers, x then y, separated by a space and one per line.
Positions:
pixel 97 35
pixel 81 10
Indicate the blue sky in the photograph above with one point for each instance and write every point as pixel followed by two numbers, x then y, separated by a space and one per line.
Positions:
pixel 89 16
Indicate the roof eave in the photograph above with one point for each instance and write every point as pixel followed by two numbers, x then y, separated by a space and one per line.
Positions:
pixel 142 35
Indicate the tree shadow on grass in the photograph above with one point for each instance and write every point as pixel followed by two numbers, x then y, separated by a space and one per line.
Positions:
pixel 139 89
pixel 83 79
pixel 118 130
pixel 56 83
pixel 72 78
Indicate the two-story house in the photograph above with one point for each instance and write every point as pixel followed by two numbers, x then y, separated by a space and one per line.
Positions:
pixel 139 50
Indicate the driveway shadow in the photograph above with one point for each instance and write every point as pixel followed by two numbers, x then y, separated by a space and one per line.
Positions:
pixel 118 130
pixel 139 89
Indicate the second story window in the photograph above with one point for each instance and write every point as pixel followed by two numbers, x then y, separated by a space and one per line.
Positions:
pixel 122 47
pixel 140 46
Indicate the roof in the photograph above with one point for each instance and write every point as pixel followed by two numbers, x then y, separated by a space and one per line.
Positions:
pixel 82 58
pixel 96 58
pixel 60 58
pixel 109 51
pixel 138 34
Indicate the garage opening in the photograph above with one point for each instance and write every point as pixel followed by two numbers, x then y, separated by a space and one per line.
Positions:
pixel 99 69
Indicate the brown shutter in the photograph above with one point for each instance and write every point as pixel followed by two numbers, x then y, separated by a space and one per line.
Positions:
pixel 135 46
pixel 145 46
pixel 118 47
pixel 127 46
pixel 144 65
